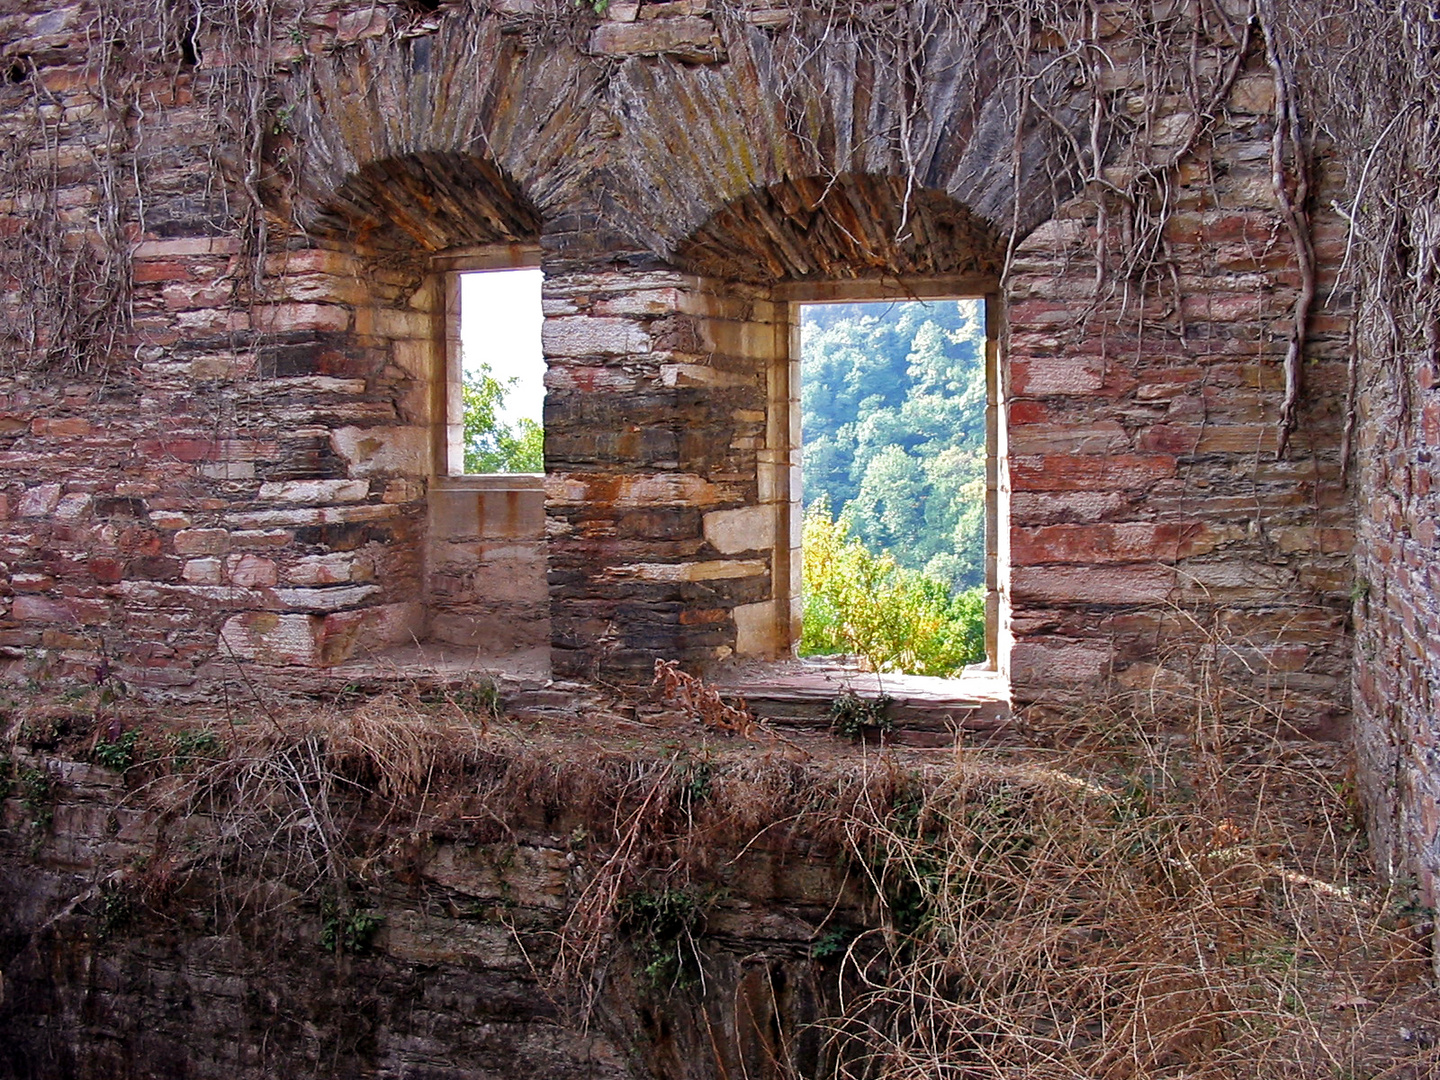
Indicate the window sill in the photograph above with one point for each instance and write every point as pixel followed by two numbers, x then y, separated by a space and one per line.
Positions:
pixel 490 482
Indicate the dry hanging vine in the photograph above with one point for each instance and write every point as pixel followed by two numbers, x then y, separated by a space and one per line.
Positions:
pixel 1106 84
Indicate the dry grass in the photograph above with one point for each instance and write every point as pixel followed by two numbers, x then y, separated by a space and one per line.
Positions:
pixel 1137 900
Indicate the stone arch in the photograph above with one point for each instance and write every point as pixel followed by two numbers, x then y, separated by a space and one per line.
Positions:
pixel 425 203
pixel 801 114
pixel 392 132
pixel 845 227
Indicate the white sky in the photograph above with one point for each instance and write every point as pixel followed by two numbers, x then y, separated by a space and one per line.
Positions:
pixel 500 323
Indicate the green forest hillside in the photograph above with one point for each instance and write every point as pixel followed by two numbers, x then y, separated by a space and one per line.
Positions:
pixel 893 413
pixel 893 408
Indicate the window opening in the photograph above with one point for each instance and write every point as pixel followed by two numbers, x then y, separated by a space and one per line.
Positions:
pixel 497 382
pixel 897 467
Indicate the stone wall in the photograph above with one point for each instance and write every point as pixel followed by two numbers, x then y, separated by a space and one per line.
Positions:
pixel 1397 615
pixel 123 956
pixel 669 461
pixel 486 562
pixel 250 478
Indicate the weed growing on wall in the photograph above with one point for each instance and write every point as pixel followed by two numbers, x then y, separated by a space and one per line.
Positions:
pixel 117 754
pixel 665 925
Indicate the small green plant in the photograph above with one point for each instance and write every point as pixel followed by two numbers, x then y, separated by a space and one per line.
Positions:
pixel 116 910
pixel 1404 907
pixel 695 783
pixel 350 932
pixel 854 716
pixel 117 754
pixel 189 747
pixel 833 943
pixel 479 697
pixel 663 926
pixel 37 795
pixel 597 6
pixel 284 120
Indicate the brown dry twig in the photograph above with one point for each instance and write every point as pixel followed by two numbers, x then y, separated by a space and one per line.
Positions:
pixel 702 701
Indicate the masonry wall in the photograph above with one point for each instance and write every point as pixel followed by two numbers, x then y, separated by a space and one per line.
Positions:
pixel 667 488
pixel 249 480
pixel 124 958
pixel 1155 538
pixel 1397 616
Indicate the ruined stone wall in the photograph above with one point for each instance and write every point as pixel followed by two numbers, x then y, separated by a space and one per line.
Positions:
pixel 123 957
pixel 1154 535
pixel 667 487
pixel 248 480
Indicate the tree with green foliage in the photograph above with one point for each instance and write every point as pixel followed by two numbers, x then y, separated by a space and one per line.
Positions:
pixel 492 446
pixel 893 411
pixel 899 620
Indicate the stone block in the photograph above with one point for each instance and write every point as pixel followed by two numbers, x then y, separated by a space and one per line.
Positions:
pixel 1253 94
pixel 1091 585
pixel 30 608
pixel 341 634
pixel 378 450
pixel 458 513
pixel 272 638
pixel 288 318
pixel 1100 437
pixel 335 568
pixel 585 336
pixel 642 302
pixel 687 37
pixel 714 570
pixel 1100 543
pixel 757 630
pixel 1042 376
pixel 334 598
pixel 1057 664
pixel 227 470
pixel 750 528
pixel 1089 472
pixel 685 375
pixel 660 489
pixel 201 541
pixel 316 491
pixel 204 571
pixel 39 501
pixel 251 571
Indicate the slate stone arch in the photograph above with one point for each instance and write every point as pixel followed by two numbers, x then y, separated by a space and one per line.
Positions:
pixel 636 151
pixel 820 103
pixel 842 228
pixel 393 133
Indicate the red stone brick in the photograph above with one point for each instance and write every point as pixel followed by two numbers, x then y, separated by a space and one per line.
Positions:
pixel 1076 472
pixel 151 270
pixel 1099 544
